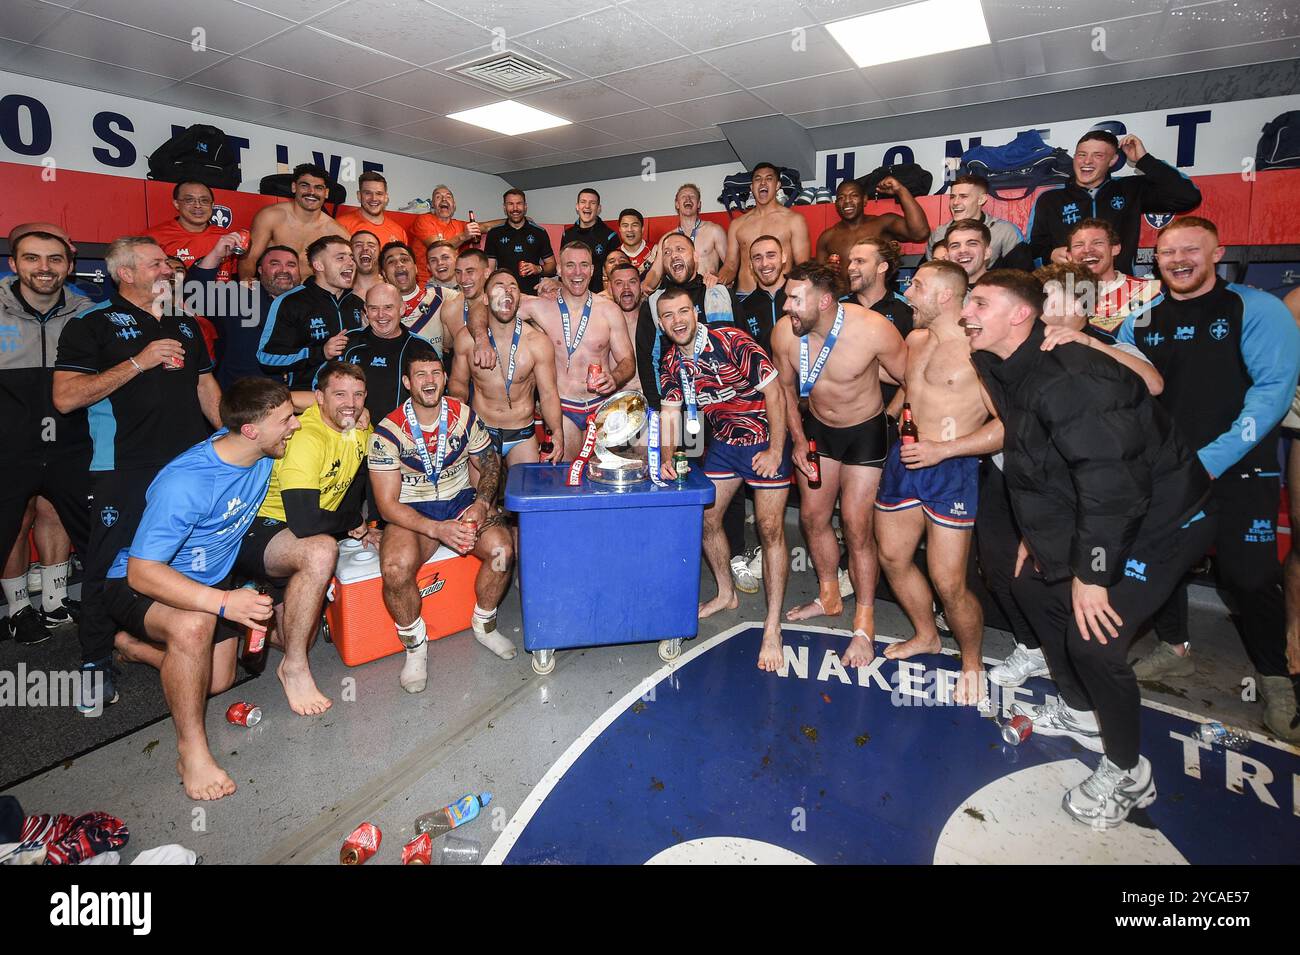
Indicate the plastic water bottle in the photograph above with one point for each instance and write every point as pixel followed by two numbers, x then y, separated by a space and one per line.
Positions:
pixel 1230 737
pixel 463 810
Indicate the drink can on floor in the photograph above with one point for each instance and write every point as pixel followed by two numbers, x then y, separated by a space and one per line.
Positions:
pixel 361 845
pixel 244 714
pixel 1017 729
pixel 419 851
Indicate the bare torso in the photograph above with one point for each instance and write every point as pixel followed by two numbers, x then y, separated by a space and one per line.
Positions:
pixel 942 387
pixel 452 314
pixel 787 226
pixel 847 391
pixel 839 238
pixel 289 226
pixel 593 349
pixel 490 402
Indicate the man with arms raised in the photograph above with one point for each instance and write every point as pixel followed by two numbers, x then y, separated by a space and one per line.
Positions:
pixel 768 217
pixel 172 585
pixel 419 467
pixel 524 375
pixel 297 223
pixel 310 324
pixel 707 238
pixel 845 416
pixel 854 225
pixel 966 198
pixel 721 373
pixel 930 488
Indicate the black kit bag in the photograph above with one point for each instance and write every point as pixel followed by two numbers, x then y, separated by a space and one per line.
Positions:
pixel 911 175
pixel 1279 146
pixel 197 154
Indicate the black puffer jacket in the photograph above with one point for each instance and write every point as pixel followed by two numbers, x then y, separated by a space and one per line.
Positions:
pixel 1093 463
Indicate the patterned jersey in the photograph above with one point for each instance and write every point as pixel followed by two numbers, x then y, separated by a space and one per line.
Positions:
pixel 1116 301
pixel 393 449
pixel 728 375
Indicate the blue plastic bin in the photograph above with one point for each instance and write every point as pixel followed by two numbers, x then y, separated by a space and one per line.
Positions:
pixel 599 566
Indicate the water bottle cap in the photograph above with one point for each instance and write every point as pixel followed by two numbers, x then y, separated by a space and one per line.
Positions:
pixel 484 798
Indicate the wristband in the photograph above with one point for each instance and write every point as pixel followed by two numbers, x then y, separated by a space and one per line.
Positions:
pixel 222 612
pixel 136 365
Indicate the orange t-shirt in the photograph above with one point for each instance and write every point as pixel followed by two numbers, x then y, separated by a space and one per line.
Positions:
pixel 427 229
pixel 189 247
pixel 385 232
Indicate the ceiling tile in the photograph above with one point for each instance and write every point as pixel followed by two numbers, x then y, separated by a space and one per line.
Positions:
pixel 817 92
pixel 512 147
pixel 1013 18
pixel 942 71
pixel 265 82
pixel 571 137
pixel 672 141
pixel 228 26
pixel 218 102
pixel 110 42
pixel 704 26
pixel 842 114
pixel 412 30
pixel 580 101
pixel 396 143
pixel 670 81
pixel 639 123
pixel 87 73
pixel 518 17
pixel 602 42
pixel 295 10
pixel 312 53
pixel 432 91
pixel 439 129
pixel 465 158
pixel 367 110
pixel 326 127
pixel 24 20
pixel 727 108
pixel 777 59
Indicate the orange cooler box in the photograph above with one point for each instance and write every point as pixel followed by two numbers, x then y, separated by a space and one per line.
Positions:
pixel 359 623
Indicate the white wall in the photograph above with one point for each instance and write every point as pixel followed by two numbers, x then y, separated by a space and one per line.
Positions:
pixel 91 131
pixel 651 197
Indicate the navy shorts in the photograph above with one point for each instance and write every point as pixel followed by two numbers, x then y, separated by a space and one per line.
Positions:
pixel 447 510
pixel 948 492
pixel 724 461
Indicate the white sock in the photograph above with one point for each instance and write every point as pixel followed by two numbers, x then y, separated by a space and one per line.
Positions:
pixel 15 589
pixel 415 668
pixel 413 634
pixel 484 614
pixel 1035 651
pixel 54 586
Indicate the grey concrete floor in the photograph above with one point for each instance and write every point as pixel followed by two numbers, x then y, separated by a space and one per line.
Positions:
pixel 482 724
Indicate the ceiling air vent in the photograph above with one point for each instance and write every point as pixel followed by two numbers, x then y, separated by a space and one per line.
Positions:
pixel 509 72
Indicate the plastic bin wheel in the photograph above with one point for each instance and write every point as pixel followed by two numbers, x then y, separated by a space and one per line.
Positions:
pixel 670 650
pixel 543 661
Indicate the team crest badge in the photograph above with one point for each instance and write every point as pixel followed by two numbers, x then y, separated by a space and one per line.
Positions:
pixel 1219 329
pixel 222 217
pixel 108 516
pixel 1158 220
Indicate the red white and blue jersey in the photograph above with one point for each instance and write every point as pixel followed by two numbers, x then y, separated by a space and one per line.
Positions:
pixel 728 374
pixel 393 448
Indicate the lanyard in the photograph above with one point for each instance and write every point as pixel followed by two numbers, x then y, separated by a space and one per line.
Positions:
pixel 809 378
pixel 654 450
pixel 574 477
pixel 688 380
pixel 514 347
pixel 431 468
pixel 571 347
pixel 698 223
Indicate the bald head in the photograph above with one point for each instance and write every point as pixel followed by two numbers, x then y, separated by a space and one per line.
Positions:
pixel 384 310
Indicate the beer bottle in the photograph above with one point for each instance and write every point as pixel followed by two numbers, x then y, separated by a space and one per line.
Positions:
pixel 545 447
pixel 907 432
pixel 815 462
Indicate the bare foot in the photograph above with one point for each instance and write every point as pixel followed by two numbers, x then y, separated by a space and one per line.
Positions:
pixel 202 777
pixel 131 649
pixel 860 651
pixel 910 648
pixel 771 655
pixel 719 603
pixel 828 603
pixel 304 698
pixel 971 688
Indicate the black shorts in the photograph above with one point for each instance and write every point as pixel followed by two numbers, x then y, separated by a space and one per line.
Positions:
pixel 250 563
pixel 864 444
pixel 126 608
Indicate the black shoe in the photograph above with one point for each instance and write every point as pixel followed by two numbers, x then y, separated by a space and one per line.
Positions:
pixel 66 613
pixel 28 628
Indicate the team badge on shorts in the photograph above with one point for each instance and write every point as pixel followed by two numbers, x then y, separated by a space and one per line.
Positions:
pixel 108 516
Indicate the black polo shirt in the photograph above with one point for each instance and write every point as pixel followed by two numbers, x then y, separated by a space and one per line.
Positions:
pixel 381 359
pixel 154 416
pixel 511 246
pixel 602 240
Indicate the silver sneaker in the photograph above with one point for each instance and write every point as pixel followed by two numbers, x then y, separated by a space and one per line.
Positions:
pixel 1019 667
pixel 755 564
pixel 746 582
pixel 1054 718
pixel 1105 798
pixel 1163 662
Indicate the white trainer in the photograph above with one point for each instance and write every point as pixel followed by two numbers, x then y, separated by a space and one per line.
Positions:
pixel 1019 667
pixel 746 582
pixel 755 565
pixel 1105 798
pixel 1054 718
pixel 415 671
pixel 486 633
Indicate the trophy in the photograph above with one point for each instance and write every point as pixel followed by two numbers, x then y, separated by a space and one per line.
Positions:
pixel 620 458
